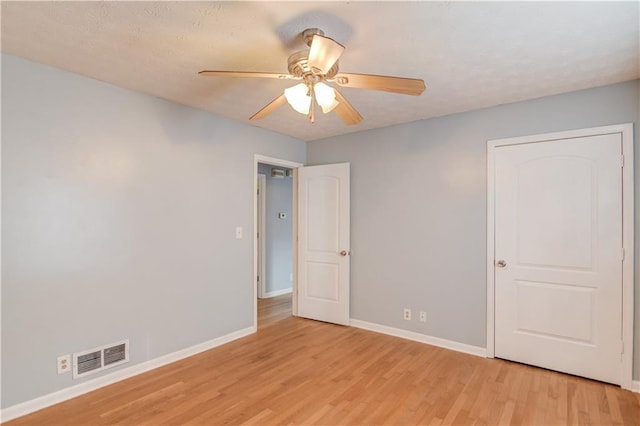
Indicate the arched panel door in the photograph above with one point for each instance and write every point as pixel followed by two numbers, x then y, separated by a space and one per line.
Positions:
pixel 558 251
pixel 323 243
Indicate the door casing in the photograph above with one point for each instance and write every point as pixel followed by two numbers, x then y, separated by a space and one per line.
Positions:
pixel 260 230
pixel 626 131
pixel 257 158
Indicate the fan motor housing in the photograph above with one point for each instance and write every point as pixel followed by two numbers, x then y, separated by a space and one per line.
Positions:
pixel 299 66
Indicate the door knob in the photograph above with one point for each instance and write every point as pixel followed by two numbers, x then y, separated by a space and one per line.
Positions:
pixel 501 263
pixel 343 253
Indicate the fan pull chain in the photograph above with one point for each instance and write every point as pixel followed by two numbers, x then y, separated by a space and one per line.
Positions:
pixel 312 116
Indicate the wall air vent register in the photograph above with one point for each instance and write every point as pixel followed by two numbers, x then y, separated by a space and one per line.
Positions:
pixel 98 359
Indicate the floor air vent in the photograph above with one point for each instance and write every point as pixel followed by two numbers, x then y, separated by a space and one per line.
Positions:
pixel 98 359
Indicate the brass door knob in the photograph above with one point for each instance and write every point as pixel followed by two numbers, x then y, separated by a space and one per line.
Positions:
pixel 343 253
pixel 501 263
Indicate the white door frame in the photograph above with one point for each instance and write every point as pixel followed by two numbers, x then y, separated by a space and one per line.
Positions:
pixel 257 158
pixel 260 229
pixel 626 130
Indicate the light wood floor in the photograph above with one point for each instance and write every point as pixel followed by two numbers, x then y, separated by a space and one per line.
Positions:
pixel 297 371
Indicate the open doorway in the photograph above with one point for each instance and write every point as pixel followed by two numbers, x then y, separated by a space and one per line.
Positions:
pixel 274 259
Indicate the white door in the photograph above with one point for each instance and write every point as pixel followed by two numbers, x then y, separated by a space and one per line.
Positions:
pixel 323 243
pixel 558 252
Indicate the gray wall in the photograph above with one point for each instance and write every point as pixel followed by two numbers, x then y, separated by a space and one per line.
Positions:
pixel 119 212
pixel 118 220
pixel 279 232
pixel 418 207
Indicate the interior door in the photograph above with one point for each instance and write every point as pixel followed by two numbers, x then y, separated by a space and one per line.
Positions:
pixel 323 243
pixel 558 252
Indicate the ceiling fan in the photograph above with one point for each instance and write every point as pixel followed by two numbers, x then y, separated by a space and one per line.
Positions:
pixel 315 67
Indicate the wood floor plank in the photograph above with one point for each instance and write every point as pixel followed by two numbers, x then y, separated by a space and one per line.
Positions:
pixel 297 371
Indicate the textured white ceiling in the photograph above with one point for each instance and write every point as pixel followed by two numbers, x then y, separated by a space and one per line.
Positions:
pixel 471 55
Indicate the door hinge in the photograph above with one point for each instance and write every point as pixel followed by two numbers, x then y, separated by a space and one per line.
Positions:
pixel 622 161
pixel 623 253
pixel 258 277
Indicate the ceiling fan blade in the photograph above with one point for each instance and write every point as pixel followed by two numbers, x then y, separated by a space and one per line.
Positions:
pixel 245 74
pixel 269 108
pixel 324 53
pixel 405 86
pixel 346 111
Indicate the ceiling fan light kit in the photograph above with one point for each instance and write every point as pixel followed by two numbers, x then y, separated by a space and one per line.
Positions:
pixel 299 98
pixel 317 66
pixel 325 96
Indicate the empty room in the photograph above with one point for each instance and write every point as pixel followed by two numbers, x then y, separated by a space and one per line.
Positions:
pixel 334 213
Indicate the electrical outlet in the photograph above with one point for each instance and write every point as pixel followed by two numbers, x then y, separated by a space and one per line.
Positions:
pixel 238 232
pixel 423 316
pixel 407 314
pixel 64 364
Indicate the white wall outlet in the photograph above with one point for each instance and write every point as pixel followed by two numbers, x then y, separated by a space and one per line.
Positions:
pixel 64 364
pixel 423 316
pixel 406 315
pixel 238 232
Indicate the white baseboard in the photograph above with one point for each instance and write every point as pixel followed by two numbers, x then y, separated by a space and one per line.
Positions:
pixel 39 403
pixel 436 341
pixel 422 338
pixel 277 293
